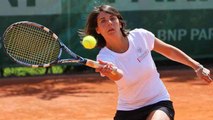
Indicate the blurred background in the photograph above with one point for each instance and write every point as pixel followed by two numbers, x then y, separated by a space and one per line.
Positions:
pixel 186 24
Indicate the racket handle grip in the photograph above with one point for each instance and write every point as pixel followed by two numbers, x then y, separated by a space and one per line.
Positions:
pixel 95 64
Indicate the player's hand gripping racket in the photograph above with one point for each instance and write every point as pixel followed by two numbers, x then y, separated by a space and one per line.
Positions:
pixel 34 45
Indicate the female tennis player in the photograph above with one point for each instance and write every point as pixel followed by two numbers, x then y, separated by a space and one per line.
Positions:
pixel 142 94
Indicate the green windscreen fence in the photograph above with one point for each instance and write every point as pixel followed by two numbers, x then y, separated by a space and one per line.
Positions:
pixel 186 24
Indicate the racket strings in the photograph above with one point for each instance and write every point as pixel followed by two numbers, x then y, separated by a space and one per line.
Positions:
pixel 31 45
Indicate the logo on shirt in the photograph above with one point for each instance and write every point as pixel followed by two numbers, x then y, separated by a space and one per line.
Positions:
pixel 142 54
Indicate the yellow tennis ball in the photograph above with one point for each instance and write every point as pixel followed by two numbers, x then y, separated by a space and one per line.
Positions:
pixel 89 42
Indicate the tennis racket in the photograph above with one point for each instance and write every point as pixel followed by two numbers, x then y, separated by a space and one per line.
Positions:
pixel 34 45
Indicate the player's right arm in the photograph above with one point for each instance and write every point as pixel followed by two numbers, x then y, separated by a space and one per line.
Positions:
pixel 109 70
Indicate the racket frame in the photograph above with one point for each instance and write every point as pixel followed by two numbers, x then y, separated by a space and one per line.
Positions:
pixel 76 58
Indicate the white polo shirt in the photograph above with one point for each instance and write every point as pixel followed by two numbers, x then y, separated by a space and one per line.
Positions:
pixel 141 84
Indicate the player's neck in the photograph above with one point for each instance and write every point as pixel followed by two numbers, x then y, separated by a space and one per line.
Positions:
pixel 119 45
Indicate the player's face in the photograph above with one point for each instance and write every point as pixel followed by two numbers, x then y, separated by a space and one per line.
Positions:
pixel 108 24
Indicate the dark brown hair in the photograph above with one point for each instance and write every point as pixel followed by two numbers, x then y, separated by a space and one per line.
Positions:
pixel 91 23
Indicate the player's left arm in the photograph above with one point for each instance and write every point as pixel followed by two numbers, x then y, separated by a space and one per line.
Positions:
pixel 177 55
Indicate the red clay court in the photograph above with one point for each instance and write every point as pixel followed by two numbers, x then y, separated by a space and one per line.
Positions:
pixel 90 97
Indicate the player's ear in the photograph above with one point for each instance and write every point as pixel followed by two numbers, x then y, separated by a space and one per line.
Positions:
pixel 97 30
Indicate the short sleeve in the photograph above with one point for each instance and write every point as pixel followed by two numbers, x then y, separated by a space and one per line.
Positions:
pixel 104 57
pixel 149 38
